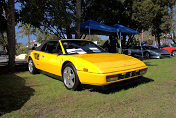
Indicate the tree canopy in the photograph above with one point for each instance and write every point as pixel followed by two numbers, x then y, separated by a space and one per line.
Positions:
pixel 58 16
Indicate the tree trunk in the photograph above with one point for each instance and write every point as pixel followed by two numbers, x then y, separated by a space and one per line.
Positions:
pixel 78 18
pixel 172 24
pixel 29 40
pixel 173 38
pixel 11 34
pixel 68 33
pixel 158 39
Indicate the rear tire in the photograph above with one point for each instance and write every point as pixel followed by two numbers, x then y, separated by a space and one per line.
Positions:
pixel 147 55
pixel 32 68
pixel 173 53
pixel 70 77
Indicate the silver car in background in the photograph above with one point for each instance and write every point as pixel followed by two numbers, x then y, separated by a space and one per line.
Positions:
pixel 147 52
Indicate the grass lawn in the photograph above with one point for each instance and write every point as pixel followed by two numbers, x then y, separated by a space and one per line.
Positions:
pixel 153 96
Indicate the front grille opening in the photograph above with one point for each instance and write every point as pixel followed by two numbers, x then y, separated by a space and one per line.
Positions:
pixel 125 75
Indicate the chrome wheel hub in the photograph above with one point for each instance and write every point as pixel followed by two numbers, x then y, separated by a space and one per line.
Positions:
pixel 69 77
pixel 30 66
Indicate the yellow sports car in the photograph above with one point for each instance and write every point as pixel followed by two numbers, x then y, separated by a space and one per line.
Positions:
pixel 81 61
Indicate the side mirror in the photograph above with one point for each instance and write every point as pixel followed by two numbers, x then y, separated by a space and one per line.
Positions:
pixel 33 48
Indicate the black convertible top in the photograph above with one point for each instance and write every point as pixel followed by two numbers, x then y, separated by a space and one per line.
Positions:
pixel 40 47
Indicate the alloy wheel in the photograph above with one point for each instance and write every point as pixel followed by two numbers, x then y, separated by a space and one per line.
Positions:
pixel 69 77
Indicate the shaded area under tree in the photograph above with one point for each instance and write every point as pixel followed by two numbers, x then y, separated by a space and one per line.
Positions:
pixel 13 93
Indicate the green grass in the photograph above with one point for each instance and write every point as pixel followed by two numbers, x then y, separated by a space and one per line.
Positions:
pixel 154 96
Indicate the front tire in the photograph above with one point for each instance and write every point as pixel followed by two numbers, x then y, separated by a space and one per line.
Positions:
pixel 70 77
pixel 31 67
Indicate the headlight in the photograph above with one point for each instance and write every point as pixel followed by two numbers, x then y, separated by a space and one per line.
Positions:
pixel 143 71
pixel 111 78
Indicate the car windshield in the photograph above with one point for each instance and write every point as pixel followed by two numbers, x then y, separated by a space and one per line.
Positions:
pixel 149 47
pixel 80 47
pixel 173 45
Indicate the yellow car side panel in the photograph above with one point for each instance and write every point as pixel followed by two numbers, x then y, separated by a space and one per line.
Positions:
pixel 51 63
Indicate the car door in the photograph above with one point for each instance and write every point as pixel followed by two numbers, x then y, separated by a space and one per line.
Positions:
pixel 138 50
pixel 36 54
pixel 51 58
pixel 134 50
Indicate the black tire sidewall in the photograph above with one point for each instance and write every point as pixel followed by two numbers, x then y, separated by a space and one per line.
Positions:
pixel 147 55
pixel 173 53
pixel 77 84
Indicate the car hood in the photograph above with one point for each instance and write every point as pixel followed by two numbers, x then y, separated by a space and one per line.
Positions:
pixel 109 62
pixel 160 51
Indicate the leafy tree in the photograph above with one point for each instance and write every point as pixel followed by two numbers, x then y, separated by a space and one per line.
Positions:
pixel 8 18
pixel 55 16
pixel 21 49
pixel 3 23
pixel 150 14
pixel 93 37
pixel 107 12
pixel 27 30
pixel 43 35
pixel 3 40
pixel 143 13
pixel 58 16
pixel 172 4
pixel 158 21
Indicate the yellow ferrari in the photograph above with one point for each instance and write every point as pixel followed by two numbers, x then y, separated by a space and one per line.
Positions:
pixel 81 61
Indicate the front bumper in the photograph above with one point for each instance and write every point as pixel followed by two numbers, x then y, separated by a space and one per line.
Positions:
pixel 160 56
pixel 101 79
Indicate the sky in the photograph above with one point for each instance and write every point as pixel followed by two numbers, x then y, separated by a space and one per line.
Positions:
pixel 19 38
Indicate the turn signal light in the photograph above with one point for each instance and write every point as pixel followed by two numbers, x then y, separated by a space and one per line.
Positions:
pixel 85 69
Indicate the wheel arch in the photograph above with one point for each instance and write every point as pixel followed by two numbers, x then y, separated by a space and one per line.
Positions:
pixel 146 52
pixel 173 50
pixel 66 62
pixel 29 57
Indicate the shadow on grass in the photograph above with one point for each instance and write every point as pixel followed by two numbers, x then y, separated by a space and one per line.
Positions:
pixel 13 93
pixel 123 85
pixel 56 77
pixel 149 64
pixel 111 88
pixel 19 67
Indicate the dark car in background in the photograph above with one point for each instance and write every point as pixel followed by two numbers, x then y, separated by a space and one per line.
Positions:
pixel 2 52
pixel 148 52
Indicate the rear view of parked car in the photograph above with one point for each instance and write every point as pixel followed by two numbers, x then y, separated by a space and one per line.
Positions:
pixel 171 48
pixel 2 53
